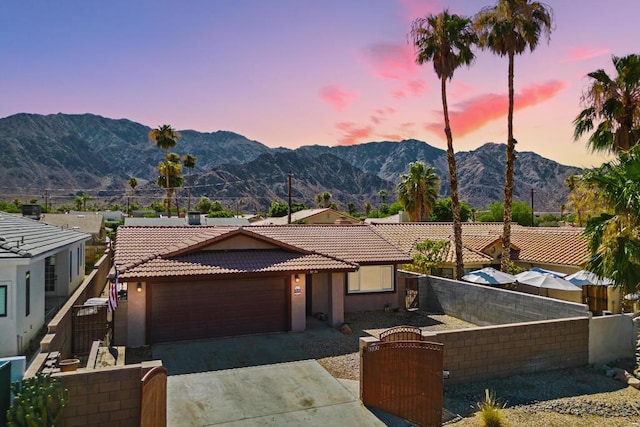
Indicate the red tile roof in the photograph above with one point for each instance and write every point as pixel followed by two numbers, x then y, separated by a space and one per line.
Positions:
pixel 177 251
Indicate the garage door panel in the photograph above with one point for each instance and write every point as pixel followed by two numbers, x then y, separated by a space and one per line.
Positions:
pixel 181 311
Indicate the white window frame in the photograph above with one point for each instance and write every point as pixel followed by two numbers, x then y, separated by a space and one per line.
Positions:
pixel 385 281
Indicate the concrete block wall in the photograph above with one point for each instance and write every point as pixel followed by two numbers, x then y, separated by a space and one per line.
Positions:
pixel 485 305
pixel 59 333
pixel 488 352
pixel 104 397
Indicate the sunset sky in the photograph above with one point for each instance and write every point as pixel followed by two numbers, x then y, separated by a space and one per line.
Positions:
pixel 297 72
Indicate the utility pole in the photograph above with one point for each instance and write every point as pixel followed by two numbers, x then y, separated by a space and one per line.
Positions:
pixel 532 215
pixel 46 199
pixel 289 217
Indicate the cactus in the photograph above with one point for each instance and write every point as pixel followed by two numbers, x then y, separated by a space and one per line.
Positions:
pixel 39 402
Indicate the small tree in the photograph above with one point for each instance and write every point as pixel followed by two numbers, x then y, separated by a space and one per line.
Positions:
pixel 203 205
pixel 429 254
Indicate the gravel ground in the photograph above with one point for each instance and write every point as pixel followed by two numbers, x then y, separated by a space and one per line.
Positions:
pixel 344 362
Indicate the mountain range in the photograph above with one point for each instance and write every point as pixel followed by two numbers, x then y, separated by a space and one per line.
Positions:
pixel 65 155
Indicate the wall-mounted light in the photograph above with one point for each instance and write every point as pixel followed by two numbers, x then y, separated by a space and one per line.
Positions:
pixel 139 287
pixel 296 278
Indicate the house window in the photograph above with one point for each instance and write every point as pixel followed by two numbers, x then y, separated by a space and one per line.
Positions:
pixel 27 293
pixel 3 301
pixel 375 278
pixel 50 274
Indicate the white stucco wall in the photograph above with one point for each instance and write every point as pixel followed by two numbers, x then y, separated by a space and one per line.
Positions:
pixel 611 337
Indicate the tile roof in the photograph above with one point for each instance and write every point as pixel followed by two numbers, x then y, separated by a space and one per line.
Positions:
pixel 309 247
pixel 353 243
pixel 304 215
pixel 235 262
pixel 550 245
pixel 25 238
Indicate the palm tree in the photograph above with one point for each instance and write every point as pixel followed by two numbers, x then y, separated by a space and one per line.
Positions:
pixel 165 137
pixel 367 208
pixel 319 199
pixel 446 40
pixel 133 183
pixel 614 237
pixel 383 195
pixel 171 169
pixel 507 29
pixel 326 196
pixel 418 191
pixel 614 106
pixel 189 161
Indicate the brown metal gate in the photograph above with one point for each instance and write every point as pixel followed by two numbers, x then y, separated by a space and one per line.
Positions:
pixel 88 325
pixel 411 293
pixel 404 378
pixel 153 401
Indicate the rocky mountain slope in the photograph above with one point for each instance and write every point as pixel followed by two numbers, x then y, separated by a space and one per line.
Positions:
pixel 70 154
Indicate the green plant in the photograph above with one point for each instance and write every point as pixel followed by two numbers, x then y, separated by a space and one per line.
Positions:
pixel 39 401
pixel 491 410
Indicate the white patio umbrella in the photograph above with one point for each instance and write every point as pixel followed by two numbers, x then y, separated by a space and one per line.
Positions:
pixel 489 276
pixel 584 277
pixel 547 281
pixel 544 270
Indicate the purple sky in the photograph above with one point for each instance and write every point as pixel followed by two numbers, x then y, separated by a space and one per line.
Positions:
pixel 296 72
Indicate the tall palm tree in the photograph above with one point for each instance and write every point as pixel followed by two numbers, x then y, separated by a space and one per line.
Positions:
pixel 447 41
pixel 613 104
pixel 133 183
pixel 165 137
pixel 614 237
pixel 383 195
pixel 189 161
pixel 508 29
pixel 418 191
pixel 326 196
pixel 172 169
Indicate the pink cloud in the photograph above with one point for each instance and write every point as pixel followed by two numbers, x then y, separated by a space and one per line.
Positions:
pixel 407 126
pixel 352 134
pixel 480 110
pixel 380 114
pixel 391 61
pixel 336 96
pixel 398 94
pixel 581 53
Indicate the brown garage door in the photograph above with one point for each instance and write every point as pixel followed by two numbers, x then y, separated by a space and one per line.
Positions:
pixel 183 311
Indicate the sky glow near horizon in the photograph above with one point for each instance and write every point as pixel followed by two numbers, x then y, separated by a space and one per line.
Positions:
pixel 297 72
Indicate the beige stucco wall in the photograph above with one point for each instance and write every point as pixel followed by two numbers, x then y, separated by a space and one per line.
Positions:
pixel 241 242
pixel 336 299
pixel 611 338
pixel 136 310
pixel 298 303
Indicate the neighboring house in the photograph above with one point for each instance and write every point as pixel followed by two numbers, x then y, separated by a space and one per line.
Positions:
pixel 112 216
pixel 181 222
pixel 86 222
pixel 36 260
pixel 201 282
pixel 561 249
pixel 311 216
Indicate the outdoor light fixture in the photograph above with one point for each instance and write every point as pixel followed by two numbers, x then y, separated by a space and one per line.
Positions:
pixel 296 278
pixel 139 287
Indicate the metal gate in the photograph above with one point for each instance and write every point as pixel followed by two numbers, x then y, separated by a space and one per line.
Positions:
pixel 411 293
pixel 89 324
pixel 404 378
pixel 153 401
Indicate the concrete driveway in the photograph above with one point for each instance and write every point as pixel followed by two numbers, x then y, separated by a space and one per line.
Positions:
pixel 286 394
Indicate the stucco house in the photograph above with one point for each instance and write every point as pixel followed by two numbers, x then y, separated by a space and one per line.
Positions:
pixel 87 222
pixel 36 261
pixel 311 216
pixel 202 282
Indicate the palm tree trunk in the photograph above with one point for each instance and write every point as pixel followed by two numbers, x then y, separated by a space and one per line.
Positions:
pixel 166 173
pixel 453 182
pixel 508 177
